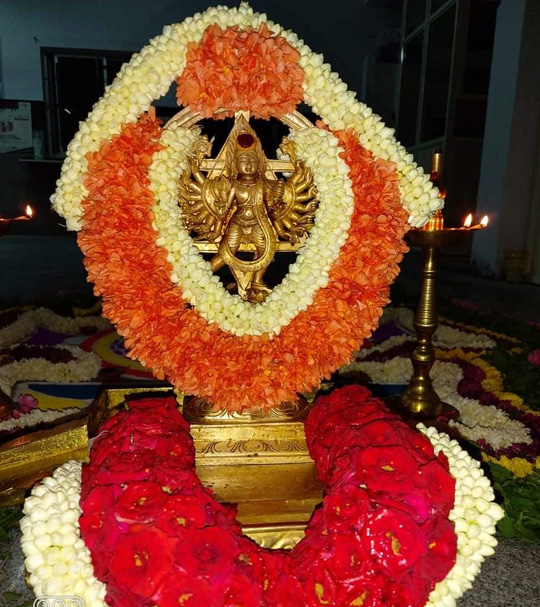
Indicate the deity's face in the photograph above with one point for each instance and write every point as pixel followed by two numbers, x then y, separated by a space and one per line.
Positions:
pixel 247 163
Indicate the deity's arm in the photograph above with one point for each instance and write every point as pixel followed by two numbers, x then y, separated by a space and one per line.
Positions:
pixel 294 216
pixel 196 173
pixel 274 193
pixel 205 206
pixel 201 149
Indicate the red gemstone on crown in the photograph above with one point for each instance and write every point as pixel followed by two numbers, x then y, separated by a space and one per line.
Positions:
pixel 245 140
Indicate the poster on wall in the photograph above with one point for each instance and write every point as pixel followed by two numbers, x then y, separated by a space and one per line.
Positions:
pixel 15 125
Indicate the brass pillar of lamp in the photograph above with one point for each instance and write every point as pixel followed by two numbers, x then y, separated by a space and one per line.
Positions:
pixel 419 400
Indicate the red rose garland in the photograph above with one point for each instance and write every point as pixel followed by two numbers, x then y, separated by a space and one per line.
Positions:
pixel 381 536
pixel 132 274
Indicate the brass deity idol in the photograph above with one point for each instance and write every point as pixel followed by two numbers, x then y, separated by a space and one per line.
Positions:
pixel 244 207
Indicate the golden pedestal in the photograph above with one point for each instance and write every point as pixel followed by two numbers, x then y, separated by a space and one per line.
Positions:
pixel 258 462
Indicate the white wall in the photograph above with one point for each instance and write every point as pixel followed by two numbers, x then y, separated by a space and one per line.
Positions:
pixel 511 135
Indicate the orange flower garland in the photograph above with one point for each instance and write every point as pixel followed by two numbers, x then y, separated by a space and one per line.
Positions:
pixel 239 70
pixel 132 273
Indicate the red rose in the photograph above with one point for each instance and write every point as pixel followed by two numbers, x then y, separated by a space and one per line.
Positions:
pixel 241 591
pixel 319 586
pixel 411 591
pixel 365 592
pixel 345 507
pixel 419 444
pixel 394 541
pixel 285 591
pixel 98 529
pixel 442 549
pixel 141 560
pixel 349 560
pixel 180 512
pixel 181 589
pixel 251 563
pixel 440 484
pixel 417 505
pixel 166 406
pixel 387 469
pixel 175 454
pixel 162 408
pixel 139 502
pixel 211 550
pixel 107 443
pixel 174 478
pixel 156 423
pixel 125 467
pixel 379 432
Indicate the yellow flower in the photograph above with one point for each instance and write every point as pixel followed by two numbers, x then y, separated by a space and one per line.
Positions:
pixel 518 466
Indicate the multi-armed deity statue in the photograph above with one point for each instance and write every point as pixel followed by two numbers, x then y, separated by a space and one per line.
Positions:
pixel 243 207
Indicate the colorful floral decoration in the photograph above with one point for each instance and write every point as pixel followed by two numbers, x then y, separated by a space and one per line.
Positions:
pixel 46 363
pixel 136 275
pixel 534 357
pixel 404 520
pixel 507 431
pixel 16 324
pixel 455 378
pixel 119 187
pixel 30 419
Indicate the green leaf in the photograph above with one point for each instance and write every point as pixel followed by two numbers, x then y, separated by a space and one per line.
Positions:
pixel 506 527
pixel 11 596
pixel 525 533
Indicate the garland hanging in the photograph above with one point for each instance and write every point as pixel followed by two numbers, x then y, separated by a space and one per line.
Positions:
pixel 119 188
pixel 391 527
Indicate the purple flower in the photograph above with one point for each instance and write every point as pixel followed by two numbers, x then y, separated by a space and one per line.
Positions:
pixel 27 403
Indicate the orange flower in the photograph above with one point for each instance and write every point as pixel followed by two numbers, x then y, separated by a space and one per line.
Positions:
pixel 241 70
pixel 133 275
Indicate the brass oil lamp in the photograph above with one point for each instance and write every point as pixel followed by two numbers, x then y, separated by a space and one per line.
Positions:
pixel 419 399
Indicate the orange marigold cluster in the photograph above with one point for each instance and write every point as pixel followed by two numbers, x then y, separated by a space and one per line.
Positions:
pixel 241 70
pixel 132 274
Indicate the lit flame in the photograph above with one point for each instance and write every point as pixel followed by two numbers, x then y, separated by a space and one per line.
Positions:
pixel 468 221
pixel 484 221
pixel 29 211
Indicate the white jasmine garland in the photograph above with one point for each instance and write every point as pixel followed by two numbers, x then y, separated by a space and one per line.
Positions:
pixel 329 97
pixel 29 321
pixel 35 417
pixel 476 421
pixel 319 150
pixel 446 338
pixel 148 76
pixel 58 561
pixel 86 366
pixel 474 515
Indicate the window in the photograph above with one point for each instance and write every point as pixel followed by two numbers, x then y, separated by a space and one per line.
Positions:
pixel 73 80
pixel 426 62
